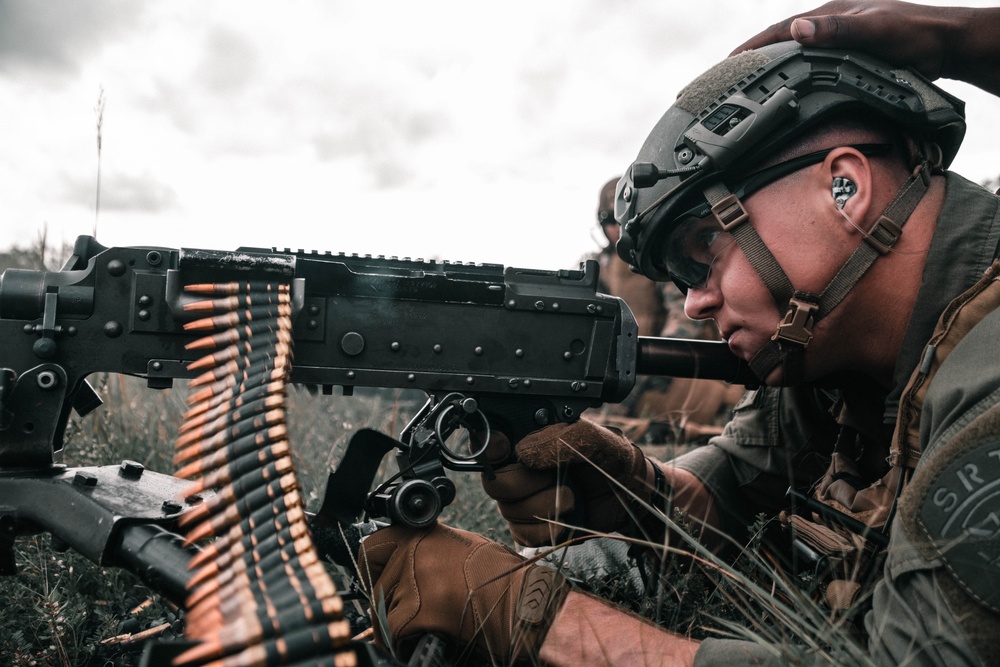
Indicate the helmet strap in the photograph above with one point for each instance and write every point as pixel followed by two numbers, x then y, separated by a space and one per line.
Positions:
pixel 804 309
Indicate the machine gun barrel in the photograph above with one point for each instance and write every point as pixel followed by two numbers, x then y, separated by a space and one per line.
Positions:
pixel 687 358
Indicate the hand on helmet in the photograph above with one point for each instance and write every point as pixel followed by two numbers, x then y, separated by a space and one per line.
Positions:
pixel 461 586
pixel 936 41
pixel 580 474
pixel 890 30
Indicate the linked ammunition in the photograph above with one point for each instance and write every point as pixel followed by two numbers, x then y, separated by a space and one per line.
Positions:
pixel 289 591
pixel 236 286
pixel 250 428
pixel 270 357
pixel 240 456
pixel 260 549
pixel 302 644
pixel 248 537
pixel 259 500
pixel 258 594
pixel 237 335
pixel 233 475
pixel 219 357
pixel 244 348
pixel 209 529
pixel 248 379
pixel 200 428
pixel 248 630
pixel 238 318
pixel 230 500
pixel 298 554
pixel 234 302
pixel 231 398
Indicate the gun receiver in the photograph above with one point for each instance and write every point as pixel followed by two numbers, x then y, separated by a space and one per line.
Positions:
pixel 530 347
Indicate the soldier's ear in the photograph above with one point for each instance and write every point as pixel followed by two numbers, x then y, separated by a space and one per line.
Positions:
pixel 850 183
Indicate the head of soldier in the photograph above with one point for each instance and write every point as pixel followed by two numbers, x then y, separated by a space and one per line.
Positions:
pixel 791 193
pixel 606 212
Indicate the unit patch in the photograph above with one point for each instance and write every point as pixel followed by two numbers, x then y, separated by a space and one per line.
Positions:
pixel 960 514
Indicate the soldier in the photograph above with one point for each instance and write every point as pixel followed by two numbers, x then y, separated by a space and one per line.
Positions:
pixel 643 296
pixel 801 197
pixel 660 409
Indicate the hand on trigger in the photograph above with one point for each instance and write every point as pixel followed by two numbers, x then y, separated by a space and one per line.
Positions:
pixel 580 474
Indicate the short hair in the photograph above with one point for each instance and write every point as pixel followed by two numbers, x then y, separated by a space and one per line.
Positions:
pixel 851 128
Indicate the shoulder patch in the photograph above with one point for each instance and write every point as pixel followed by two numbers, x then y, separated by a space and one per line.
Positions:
pixel 959 513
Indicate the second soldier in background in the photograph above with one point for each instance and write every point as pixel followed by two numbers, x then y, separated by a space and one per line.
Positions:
pixel 660 410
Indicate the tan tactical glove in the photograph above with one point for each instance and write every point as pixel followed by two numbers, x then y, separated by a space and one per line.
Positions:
pixel 580 474
pixel 460 586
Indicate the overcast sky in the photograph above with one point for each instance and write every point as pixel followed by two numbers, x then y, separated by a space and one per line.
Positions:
pixel 458 130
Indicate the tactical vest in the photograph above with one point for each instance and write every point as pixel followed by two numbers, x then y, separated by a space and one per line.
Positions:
pixel 846 524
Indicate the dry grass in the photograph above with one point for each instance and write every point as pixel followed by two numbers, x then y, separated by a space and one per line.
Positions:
pixel 63 610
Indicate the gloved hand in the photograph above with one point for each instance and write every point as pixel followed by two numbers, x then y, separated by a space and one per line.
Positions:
pixel 581 474
pixel 458 585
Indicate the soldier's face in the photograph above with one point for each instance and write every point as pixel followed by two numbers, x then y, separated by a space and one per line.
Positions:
pixel 797 228
pixel 738 300
pixel 612 231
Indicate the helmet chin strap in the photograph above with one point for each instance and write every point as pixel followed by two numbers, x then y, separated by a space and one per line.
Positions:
pixel 803 309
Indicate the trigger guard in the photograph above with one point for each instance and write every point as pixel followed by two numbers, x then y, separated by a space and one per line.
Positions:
pixel 444 447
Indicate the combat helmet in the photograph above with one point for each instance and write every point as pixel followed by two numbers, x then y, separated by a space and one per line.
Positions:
pixel 703 156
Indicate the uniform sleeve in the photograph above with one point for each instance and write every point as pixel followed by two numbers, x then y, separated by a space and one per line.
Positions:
pixel 911 621
pixel 938 602
pixel 778 437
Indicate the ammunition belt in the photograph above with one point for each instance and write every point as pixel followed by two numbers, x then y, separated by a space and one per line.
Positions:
pixel 258 594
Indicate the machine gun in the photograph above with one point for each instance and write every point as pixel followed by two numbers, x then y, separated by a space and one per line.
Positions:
pixel 491 347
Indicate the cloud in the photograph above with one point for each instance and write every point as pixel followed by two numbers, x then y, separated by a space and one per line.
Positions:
pixel 463 117
pixel 229 63
pixel 54 37
pixel 121 192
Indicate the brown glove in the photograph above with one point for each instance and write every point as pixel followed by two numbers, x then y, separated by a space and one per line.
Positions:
pixel 580 474
pixel 458 585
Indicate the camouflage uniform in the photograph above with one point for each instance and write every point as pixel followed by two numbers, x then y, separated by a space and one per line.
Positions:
pixel 937 600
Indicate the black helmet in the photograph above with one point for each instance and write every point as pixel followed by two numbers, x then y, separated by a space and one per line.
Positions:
pixel 747 107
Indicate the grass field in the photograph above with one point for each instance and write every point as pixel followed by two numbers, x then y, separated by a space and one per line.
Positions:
pixel 63 610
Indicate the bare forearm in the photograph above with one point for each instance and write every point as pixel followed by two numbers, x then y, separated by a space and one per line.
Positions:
pixel 589 631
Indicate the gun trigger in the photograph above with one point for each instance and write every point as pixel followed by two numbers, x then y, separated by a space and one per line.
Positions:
pixel 86 399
